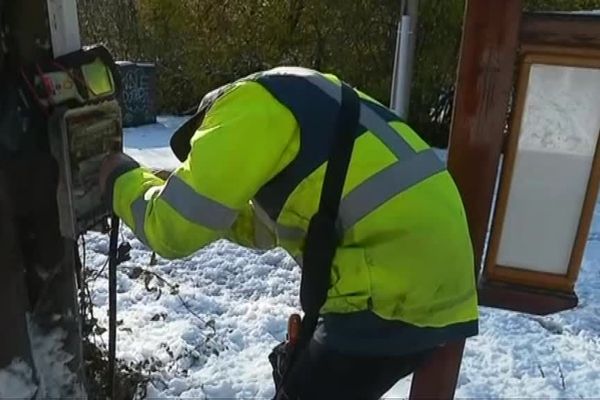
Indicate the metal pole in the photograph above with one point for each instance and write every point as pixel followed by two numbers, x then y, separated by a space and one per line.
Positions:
pixel 112 305
pixel 404 58
pixel 394 91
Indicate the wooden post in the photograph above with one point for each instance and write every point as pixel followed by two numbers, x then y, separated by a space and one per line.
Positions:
pixel 483 87
pixel 436 378
pixel 37 272
pixel 27 29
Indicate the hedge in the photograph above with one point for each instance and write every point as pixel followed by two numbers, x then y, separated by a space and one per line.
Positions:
pixel 200 44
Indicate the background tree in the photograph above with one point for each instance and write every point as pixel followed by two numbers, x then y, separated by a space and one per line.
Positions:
pixel 200 44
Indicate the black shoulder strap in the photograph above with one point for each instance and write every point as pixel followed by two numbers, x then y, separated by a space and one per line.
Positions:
pixel 323 236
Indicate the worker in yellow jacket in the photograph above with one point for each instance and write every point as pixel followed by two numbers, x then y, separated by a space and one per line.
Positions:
pixel 253 163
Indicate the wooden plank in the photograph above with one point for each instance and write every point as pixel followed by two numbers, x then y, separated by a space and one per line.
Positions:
pixel 524 299
pixel 484 84
pixel 534 279
pixel 547 54
pixel 436 378
pixel 568 30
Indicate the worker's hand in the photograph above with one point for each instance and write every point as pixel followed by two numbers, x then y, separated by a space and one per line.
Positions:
pixel 109 164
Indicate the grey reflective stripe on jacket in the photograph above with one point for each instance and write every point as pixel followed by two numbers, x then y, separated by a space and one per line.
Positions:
pixel 193 206
pixel 265 227
pixel 138 209
pixel 314 100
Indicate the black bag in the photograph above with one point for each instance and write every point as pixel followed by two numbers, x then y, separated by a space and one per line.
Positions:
pixel 322 239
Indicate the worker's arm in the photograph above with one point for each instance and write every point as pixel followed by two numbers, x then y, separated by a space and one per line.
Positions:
pixel 245 139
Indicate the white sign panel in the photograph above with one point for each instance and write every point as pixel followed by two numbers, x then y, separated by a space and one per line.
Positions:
pixel 559 131
pixel 64 26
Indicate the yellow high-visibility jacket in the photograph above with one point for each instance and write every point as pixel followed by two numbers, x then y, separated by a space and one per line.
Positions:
pixel 254 176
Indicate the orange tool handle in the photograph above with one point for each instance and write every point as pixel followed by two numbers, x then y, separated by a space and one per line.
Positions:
pixel 294 323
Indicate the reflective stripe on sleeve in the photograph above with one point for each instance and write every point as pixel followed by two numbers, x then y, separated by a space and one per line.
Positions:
pixel 195 207
pixel 138 209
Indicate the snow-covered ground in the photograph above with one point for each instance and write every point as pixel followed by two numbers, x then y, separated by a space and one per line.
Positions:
pixel 150 143
pixel 210 320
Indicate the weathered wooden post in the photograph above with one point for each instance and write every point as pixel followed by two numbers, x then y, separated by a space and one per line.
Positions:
pixel 39 290
pixel 483 88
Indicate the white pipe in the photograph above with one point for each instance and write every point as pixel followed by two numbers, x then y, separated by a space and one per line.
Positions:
pixel 403 60
pixel 393 92
pixel 64 26
pixel 401 73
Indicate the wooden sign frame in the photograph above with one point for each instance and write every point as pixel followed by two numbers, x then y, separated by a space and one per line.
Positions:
pixel 495 34
pixel 563 38
pixel 556 56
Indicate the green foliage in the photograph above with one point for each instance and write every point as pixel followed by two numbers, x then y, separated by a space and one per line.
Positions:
pixel 200 44
pixel 438 46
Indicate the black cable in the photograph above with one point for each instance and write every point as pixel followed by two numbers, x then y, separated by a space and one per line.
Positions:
pixel 81 266
pixel 112 302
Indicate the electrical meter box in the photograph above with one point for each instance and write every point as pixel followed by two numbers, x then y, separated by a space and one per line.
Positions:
pixel 79 94
pixel 81 138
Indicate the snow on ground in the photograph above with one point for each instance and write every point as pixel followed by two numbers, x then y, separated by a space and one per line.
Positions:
pixel 16 381
pixel 150 144
pixel 211 333
pixel 242 297
pixel 50 358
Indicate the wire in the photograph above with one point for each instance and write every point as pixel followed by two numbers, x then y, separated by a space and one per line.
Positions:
pixel 174 289
pixel 112 302
pixel 98 273
pixel 48 86
pixel 33 93
pixel 189 309
pixel 81 276
pixel 84 253
pixel 45 83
